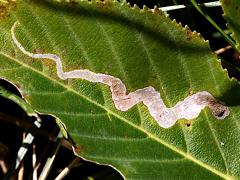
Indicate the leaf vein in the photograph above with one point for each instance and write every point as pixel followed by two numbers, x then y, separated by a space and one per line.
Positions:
pixel 152 136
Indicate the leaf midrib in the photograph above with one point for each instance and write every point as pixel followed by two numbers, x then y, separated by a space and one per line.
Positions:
pixel 184 154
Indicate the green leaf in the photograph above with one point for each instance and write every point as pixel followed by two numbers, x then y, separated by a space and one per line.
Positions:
pixel 30 112
pixel 19 101
pixel 231 10
pixel 142 49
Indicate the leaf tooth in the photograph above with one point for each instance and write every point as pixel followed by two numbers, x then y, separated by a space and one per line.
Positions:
pixel 180 24
pixel 186 27
pixel 190 34
pixel 135 7
pixel 127 4
pixel 174 21
pixel 124 2
pixel 200 35
pixel 196 33
pixel 193 33
pixel 145 8
pixel 156 10
pixel 206 41
pixel 226 71
pixel 232 79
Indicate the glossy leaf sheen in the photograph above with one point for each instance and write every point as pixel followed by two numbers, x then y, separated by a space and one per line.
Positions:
pixel 142 49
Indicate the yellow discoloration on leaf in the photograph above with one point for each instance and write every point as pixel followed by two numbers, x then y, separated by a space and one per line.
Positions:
pixel 5 7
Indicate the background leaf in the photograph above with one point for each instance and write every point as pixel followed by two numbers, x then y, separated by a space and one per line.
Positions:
pixel 231 10
pixel 19 101
pixel 141 48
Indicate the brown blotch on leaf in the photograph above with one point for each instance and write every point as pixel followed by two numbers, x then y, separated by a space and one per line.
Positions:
pixel 105 6
pixel 190 34
pixel 5 8
pixel 76 149
pixel 38 51
pixel 218 110
pixel 158 11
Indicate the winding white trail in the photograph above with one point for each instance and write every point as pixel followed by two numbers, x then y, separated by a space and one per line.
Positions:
pixel 189 108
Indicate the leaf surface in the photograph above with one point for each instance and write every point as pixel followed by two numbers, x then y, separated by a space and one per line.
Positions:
pixel 231 10
pixel 143 49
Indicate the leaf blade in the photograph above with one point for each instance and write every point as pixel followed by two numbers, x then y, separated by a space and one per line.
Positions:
pixel 100 123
